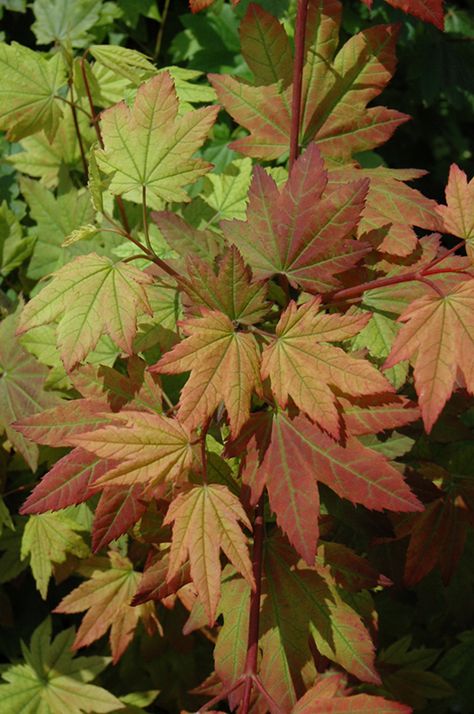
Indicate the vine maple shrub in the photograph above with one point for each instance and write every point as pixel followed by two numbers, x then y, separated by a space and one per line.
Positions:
pixel 235 354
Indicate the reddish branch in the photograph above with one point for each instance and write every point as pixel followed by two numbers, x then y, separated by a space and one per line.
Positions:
pixel 420 276
pixel 300 34
pixel 254 620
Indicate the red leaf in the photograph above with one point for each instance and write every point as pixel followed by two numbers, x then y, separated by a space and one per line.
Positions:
pixel 206 521
pixel 117 511
pixel 289 456
pixel 68 483
pixel 438 335
pixel 54 426
pixel 313 703
pixel 458 215
pixel 428 10
pixel 298 231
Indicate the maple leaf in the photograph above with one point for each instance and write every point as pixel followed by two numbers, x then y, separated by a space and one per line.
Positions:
pixel 150 449
pixel 315 701
pixel 291 455
pixel 438 336
pixel 458 214
pixel 115 390
pixel 337 629
pixel 205 520
pixel 231 291
pixel 46 540
pixel 437 537
pixel 371 415
pixel 391 204
pixel 336 87
pixel 301 364
pixel 29 91
pixel 90 296
pixel 155 585
pixel 68 483
pixel 298 231
pixel 117 511
pixel 187 240
pixel 427 10
pixel 224 364
pixel 52 681
pixel 22 393
pixel 150 146
pixel 53 427
pixel 107 596
pixel 266 47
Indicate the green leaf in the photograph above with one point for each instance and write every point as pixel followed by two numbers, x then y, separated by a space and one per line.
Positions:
pixel 14 247
pixel 378 337
pixel 129 64
pixel 227 192
pixel 47 160
pixel 90 296
pixel 29 89
pixel 65 21
pixel 83 233
pixel 22 393
pixel 47 539
pixel 56 218
pixel 150 147
pixel 52 681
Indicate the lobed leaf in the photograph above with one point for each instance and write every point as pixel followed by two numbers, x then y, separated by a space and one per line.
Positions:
pixel 224 365
pixel 205 521
pixel 90 296
pixel 150 146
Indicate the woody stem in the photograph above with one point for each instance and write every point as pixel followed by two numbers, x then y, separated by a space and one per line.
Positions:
pixel 300 34
pixel 254 619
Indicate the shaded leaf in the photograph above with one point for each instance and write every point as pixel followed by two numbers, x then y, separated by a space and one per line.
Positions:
pixel 289 457
pixel 106 597
pixel 51 681
pixel 46 540
pixel 231 291
pixel 22 392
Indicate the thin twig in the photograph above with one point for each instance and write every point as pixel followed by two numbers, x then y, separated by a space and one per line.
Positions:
pixel 449 252
pixel 159 37
pixel 145 221
pixel 275 707
pixel 202 441
pixel 221 696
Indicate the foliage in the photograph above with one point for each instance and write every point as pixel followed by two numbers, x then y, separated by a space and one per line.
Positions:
pixel 236 365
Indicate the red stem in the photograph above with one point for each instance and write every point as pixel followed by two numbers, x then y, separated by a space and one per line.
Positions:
pixel 254 619
pixel 449 252
pixel 358 290
pixel 300 33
